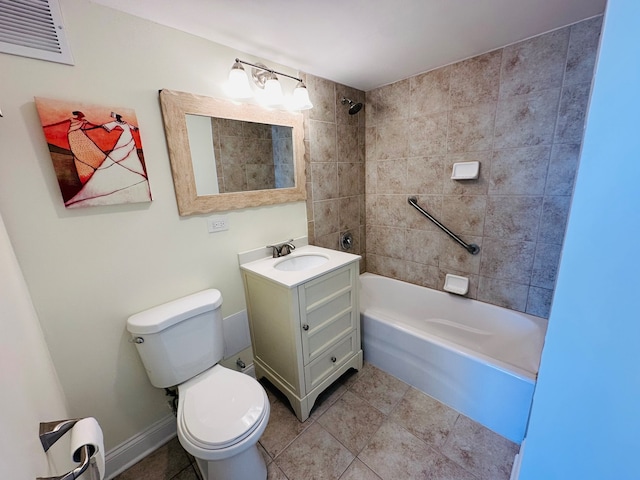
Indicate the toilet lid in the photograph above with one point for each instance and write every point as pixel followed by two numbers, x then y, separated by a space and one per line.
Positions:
pixel 220 407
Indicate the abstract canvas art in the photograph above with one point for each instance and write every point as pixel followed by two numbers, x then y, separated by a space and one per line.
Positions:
pixel 96 153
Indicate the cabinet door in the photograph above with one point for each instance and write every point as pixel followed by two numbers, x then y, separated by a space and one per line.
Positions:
pixel 328 311
pixel 274 339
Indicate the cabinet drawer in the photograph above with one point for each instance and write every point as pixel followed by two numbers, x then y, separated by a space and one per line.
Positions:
pixel 328 311
pixel 327 324
pixel 322 367
pixel 320 289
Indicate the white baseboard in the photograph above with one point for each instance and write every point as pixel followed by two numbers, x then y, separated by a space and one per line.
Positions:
pixel 139 446
pixel 515 471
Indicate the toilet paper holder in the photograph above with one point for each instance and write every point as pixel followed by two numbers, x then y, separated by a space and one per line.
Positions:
pixel 51 432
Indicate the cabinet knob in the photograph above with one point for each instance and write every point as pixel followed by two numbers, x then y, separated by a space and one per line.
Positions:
pixel 333 359
pixel 305 327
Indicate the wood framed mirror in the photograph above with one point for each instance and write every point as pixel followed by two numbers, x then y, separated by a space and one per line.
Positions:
pixel 226 156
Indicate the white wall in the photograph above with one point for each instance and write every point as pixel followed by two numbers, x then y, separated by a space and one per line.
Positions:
pixel 586 417
pixel 31 390
pixel 88 269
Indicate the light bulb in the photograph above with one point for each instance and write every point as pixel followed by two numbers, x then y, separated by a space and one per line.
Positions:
pixel 301 99
pixel 238 84
pixel 272 92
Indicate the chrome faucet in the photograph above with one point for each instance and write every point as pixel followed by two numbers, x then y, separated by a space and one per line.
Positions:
pixel 282 249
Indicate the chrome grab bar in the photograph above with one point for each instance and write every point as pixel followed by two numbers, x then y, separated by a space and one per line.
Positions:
pixel 50 433
pixel 472 248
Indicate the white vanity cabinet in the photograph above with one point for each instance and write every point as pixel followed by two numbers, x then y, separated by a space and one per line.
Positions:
pixel 306 335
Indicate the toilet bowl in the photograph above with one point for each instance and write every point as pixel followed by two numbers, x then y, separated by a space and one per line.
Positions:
pixel 221 413
pixel 221 416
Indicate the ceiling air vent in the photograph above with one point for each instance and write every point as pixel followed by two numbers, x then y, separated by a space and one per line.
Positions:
pixel 33 28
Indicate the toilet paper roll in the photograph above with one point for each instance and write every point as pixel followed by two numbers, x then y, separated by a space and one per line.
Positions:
pixel 88 432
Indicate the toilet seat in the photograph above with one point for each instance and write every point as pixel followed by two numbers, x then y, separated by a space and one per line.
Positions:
pixel 220 407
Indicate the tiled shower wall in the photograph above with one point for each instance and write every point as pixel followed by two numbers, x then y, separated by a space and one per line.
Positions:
pixel 334 151
pixel 520 112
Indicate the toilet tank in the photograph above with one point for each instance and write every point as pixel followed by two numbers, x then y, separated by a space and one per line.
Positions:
pixel 179 339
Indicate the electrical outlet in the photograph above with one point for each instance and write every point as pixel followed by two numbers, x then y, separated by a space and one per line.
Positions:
pixel 217 224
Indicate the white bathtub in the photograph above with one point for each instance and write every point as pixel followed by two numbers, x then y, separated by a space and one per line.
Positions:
pixel 479 359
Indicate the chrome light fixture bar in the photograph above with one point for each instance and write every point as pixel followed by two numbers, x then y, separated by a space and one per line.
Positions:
pixel 266 79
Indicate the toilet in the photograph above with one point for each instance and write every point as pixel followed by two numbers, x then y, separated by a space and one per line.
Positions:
pixel 221 412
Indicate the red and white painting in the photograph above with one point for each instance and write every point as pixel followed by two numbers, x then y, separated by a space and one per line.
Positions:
pixel 96 152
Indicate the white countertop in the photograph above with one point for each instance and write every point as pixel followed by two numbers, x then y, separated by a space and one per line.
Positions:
pixel 265 267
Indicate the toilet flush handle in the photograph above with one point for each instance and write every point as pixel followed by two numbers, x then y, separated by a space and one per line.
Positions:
pixel 137 340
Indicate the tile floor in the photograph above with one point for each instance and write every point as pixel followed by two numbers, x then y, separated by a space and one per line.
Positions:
pixel 368 426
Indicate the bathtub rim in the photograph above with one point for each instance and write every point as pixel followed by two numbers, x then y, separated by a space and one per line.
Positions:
pixel 506 367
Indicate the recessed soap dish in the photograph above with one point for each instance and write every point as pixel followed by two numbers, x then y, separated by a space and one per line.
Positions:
pixel 456 284
pixel 465 170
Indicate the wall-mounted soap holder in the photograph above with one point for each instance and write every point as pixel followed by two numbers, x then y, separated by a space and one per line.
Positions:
pixel 465 171
pixel 456 284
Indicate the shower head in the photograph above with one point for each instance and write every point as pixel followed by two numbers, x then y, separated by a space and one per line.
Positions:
pixel 353 107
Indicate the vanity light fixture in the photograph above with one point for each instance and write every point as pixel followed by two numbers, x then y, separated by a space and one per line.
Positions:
pixel 267 80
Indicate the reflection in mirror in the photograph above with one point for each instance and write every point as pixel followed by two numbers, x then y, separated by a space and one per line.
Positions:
pixel 237 156
pixel 203 155
pixel 226 156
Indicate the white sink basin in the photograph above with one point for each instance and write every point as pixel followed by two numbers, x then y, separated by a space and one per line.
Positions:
pixel 301 262
pixel 305 263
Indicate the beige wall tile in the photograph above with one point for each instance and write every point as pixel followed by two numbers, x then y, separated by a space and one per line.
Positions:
pixel 430 92
pixel 519 171
pixel 323 142
pixel 325 180
pixel 553 222
pixel 471 128
pixel 526 120
pixel 347 142
pixel 326 216
pixel 539 301
pixel 390 211
pixel 507 260
pixel 392 140
pixel 349 215
pixel 428 135
pixel 572 114
pixel 563 166
pixel 476 80
pixel 393 100
pixel 426 247
pixel 453 256
pixel 322 95
pixel 583 47
pixel 513 217
pixel 425 175
pixel 464 214
pixel 391 176
pixel 424 275
pixel 349 179
pixel 545 265
pixel 535 64
pixel 503 293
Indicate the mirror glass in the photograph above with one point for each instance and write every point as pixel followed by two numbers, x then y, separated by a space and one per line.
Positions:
pixel 226 156
pixel 238 156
